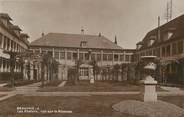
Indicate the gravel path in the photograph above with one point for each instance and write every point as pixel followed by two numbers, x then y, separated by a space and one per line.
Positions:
pixel 149 109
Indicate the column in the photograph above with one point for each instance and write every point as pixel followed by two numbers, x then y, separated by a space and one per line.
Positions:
pixel 71 56
pixel 40 50
pixel 2 41
pixel 90 52
pixel 77 54
pixel 59 54
pixel 112 57
pixel 5 68
pixel 101 56
pixel 9 44
pixel 15 46
pixel 65 54
pixel 53 53
pixel 83 54
pixel 5 43
pixel 2 65
pixel 160 51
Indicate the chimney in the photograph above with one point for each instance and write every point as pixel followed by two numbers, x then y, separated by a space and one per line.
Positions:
pixel 99 34
pixel 43 34
pixel 115 41
pixel 82 31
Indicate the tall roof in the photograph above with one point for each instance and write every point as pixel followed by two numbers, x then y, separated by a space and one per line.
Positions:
pixel 5 15
pixel 176 26
pixel 74 40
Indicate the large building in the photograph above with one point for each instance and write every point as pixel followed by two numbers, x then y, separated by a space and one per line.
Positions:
pixel 67 49
pixel 11 40
pixel 167 43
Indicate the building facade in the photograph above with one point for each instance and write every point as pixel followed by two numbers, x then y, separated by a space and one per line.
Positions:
pixel 69 49
pixel 166 43
pixel 11 40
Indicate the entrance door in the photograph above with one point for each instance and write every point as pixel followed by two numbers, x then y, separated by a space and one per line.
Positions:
pixel 84 73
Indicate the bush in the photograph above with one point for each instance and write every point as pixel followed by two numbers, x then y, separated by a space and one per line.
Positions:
pixel 22 83
pixel 5 76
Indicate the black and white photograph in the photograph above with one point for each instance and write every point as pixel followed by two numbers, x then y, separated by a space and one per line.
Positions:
pixel 91 58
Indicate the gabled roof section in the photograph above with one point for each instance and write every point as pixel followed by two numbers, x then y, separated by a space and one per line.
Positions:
pixel 5 16
pixel 175 26
pixel 15 27
pixel 74 41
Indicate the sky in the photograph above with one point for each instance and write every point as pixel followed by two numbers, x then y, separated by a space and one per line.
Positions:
pixel 129 20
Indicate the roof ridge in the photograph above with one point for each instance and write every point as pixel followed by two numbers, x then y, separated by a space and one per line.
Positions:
pixel 77 34
pixel 73 40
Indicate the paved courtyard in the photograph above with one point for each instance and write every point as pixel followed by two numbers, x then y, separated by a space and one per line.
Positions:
pixel 94 103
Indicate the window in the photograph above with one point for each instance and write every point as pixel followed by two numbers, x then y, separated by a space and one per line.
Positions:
pixel 163 51
pixel 180 47
pixel 93 57
pixel 81 56
pixel 1 61
pixel 44 52
pixel 127 58
pixel 15 46
pixel 8 43
pixel 99 57
pixel 116 57
pixel 37 51
pixel 150 53
pixel 121 57
pixel 147 53
pixel 158 52
pixel 12 43
pixel 174 49
pixel 110 57
pixel 62 55
pixel 69 55
pixel 104 57
pixel 74 56
pixel 4 63
pixel 168 50
pixel 56 55
pixel 86 56
pixel 167 36
pixel 5 42
pixel 1 39
pixel 83 44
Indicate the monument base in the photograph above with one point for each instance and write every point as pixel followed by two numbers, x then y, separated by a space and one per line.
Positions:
pixel 92 81
pixel 149 94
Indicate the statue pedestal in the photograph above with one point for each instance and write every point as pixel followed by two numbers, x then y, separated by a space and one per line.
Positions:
pixel 92 81
pixel 149 93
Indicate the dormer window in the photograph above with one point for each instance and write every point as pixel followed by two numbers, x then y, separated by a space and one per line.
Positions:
pixel 16 29
pixel 83 44
pixel 152 40
pixel 5 18
pixel 167 36
pixel 139 45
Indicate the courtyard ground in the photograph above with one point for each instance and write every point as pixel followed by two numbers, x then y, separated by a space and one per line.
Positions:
pixel 98 86
pixel 84 106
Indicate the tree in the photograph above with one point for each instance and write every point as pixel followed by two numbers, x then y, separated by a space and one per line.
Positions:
pixel 116 71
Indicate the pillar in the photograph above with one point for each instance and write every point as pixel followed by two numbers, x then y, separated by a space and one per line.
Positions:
pixel 2 41
pixel 65 54
pixel 53 53
pixel 112 57
pixel 101 53
pixel 149 93
pixel 78 54
pixel 59 55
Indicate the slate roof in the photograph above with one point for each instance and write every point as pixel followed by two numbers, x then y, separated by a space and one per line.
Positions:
pixel 176 26
pixel 74 41
pixel 5 15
